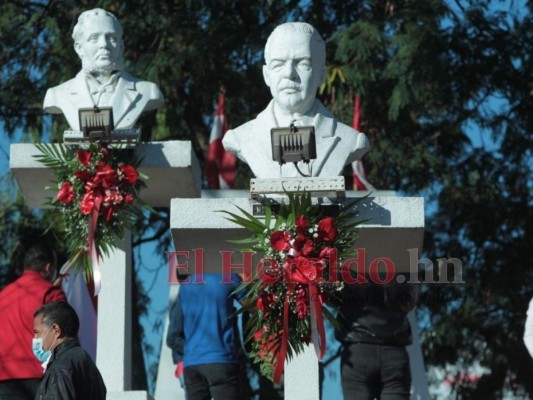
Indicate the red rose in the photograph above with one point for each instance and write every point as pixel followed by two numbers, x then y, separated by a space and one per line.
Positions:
pixel 84 157
pixel 301 225
pixel 66 194
pixel 87 203
pixel 128 197
pixel 129 174
pixel 326 230
pixel 279 240
pixel 83 176
pixel 303 245
pixel 107 175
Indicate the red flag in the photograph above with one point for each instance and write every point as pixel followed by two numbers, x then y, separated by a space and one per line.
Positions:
pixel 358 174
pixel 221 166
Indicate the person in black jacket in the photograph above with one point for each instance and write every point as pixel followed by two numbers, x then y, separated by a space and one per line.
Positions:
pixel 70 372
pixel 374 331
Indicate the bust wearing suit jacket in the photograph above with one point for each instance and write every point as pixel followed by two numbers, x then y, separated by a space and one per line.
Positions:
pixel 102 81
pixel 130 98
pixel 294 69
pixel 336 145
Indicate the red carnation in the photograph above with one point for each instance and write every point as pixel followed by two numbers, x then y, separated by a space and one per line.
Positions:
pixel 326 230
pixel 84 157
pixel 66 193
pixel 301 225
pixel 279 240
pixel 129 173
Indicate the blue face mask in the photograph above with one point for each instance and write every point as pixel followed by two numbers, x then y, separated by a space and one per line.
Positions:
pixel 37 346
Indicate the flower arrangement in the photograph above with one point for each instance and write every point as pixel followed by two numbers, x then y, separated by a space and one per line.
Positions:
pixel 97 196
pixel 296 278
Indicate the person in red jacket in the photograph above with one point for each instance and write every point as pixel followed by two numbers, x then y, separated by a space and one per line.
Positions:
pixel 20 371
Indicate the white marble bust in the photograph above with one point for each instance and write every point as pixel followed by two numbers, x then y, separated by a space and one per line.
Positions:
pixel 295 66
pixel 102 82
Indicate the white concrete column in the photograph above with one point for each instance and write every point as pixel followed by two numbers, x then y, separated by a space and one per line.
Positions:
pixel 301 378
pixel 113 347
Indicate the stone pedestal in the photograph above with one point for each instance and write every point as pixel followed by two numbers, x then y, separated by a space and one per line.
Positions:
pixel 171 167
pixel 394 226
pixel 172 171
pixel 113 349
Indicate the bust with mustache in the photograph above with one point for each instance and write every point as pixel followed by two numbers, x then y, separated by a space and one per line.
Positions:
pixel 295 66
pixel 102 81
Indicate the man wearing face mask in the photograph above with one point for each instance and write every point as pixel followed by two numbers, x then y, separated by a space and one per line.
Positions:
pixel 70 372
pixel 295 67
pixel 102 82
pixel 20 371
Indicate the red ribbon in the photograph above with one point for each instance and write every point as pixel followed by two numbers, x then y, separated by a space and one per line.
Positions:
pixel 318 334
pixel 280 359
pixel 93 253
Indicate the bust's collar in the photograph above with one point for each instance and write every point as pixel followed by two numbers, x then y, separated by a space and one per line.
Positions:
pixel 323 120
pixel 95 84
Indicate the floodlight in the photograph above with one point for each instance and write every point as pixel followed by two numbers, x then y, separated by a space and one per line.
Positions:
pixel 293 144
pixel 96 123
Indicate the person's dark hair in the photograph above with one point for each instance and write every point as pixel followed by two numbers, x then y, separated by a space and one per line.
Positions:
pixel 37 256
pixel 62 314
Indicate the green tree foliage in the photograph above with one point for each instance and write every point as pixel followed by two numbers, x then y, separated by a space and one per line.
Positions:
pixel 446 89
pixel 431 74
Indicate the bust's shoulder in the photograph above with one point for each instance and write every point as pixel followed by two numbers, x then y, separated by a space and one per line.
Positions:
pixel 55 97
pixel 67 85
pixel 137 81
pixel 263 120
pixel 343 129
pixel 352 138
pixel 245 129
pixel 240 138
pixel 149 90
